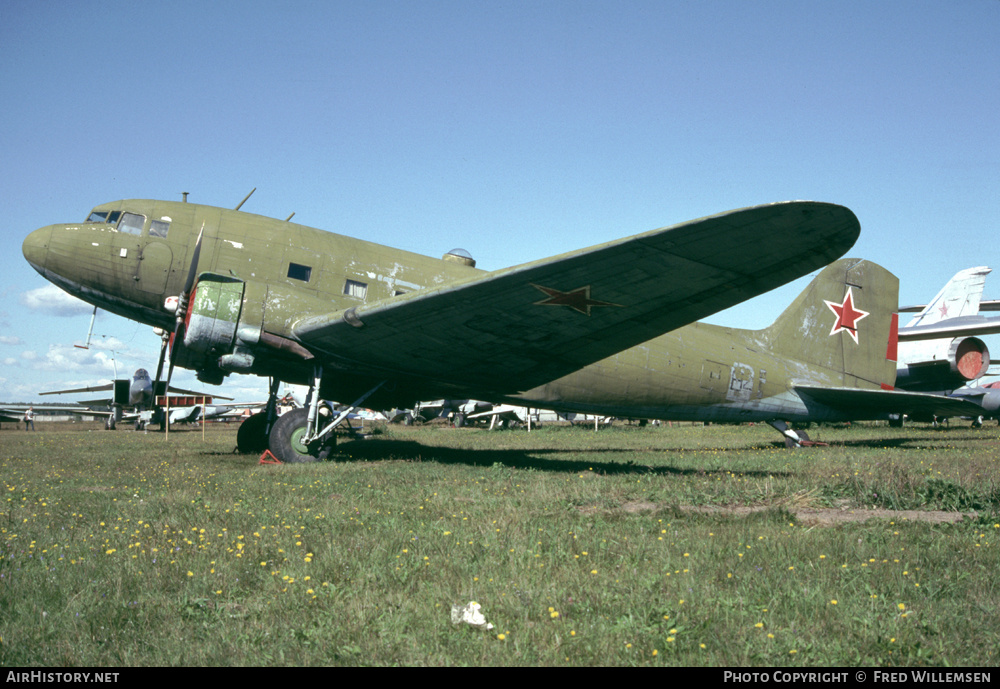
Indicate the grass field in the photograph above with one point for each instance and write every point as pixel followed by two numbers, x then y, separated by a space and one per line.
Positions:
pixel 682 545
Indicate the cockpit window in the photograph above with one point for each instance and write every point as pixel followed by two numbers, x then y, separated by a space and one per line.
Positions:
pixel 131 223
pixel 158 228
pixel 106 217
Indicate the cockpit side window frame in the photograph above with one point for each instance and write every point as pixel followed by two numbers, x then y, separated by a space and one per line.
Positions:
pixel 158 228
pixel 132 223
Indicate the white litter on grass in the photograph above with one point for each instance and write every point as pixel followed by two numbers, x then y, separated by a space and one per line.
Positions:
pixel 469 614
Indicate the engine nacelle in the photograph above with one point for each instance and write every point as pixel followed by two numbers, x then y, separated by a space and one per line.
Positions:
pixel 969 357
pixel 941 366
pixel 215 328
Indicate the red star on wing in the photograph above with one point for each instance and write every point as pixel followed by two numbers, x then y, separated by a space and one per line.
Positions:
pixel 847 315
pixel 943 310
pixel 577 299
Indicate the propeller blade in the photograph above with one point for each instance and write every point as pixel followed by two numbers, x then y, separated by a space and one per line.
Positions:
pixel 182 308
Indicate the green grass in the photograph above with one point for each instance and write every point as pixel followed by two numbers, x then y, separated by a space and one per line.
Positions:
pixel 582 548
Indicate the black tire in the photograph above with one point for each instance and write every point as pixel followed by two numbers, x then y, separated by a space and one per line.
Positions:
pixel 286 444
pixel 110 423
pixel 251 437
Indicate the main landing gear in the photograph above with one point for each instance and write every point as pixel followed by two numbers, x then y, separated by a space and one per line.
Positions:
pixel 305 434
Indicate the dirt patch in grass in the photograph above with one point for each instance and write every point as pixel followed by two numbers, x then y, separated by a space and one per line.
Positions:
pixel 810 516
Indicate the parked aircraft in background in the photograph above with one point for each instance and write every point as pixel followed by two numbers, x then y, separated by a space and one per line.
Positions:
pixel 513 416
pixel 355 320
pixel 136 395
pixel 940 351
pixel 947 354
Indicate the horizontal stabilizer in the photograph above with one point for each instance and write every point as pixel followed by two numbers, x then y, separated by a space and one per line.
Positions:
pixel 966 326
pixel 874 403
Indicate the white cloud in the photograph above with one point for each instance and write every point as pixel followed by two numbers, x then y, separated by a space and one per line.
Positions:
pixel 55 302
pixel 10 340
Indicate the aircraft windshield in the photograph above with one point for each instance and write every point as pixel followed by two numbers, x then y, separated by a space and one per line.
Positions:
pixel 107 217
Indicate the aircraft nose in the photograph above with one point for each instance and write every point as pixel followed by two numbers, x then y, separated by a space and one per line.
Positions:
pixel 35 246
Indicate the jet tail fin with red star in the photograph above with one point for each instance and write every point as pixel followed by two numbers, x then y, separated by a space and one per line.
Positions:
pixel 845 323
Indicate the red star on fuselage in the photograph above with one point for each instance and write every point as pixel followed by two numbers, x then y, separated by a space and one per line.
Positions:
pixel 577 299
pixel 847 315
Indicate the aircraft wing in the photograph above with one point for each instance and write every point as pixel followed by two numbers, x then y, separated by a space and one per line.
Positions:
pixel 93 388
pixel 11 416
pixel 951 327
pixel 870 403
pixel 513 329
pixel 195 393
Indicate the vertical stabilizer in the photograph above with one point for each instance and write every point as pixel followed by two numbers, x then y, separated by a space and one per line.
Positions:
pixel 843 326
pixel 960 297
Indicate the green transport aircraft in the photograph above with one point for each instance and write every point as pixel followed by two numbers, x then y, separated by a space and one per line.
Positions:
pixel 610 329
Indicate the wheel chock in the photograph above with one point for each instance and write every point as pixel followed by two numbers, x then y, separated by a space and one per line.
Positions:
pixel 268 458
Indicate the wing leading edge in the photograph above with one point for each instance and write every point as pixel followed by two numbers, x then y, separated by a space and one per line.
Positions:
pixel 513 329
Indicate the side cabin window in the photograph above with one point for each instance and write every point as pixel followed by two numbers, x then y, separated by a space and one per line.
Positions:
pixel 158 228
pixel 297 271
pixel 104 217
pixel 131 223
pixel 353 288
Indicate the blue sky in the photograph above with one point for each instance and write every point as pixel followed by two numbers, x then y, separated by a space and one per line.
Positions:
pixel 515 130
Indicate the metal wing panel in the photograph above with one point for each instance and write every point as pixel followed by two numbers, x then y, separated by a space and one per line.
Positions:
pixel 516 328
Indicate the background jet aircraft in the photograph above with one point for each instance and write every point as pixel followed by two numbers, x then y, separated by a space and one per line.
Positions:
pixel 945 358
pixel 351 319
pixel 939 350
pixel 135 394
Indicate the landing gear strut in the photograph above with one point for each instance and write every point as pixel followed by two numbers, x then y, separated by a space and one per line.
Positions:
pixel 793 438
pixel 252 436
pixel 300 435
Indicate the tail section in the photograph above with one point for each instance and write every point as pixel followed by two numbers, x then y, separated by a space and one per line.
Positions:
pixel 960 297
pixel 843 326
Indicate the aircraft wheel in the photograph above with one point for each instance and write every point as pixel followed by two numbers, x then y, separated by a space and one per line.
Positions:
pixel 286 443
pixel 250 437
pixel 895 420
pixel 110 423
